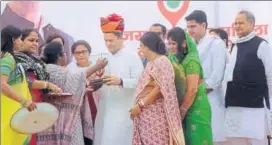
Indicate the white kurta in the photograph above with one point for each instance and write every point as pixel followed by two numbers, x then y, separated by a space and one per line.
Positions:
pixel 113 125
pixel 213 57
pixel 249 122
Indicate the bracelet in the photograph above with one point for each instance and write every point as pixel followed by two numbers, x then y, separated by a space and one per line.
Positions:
pixel 183 110
pixel 46 85
pixel 23 102
pixel 141 103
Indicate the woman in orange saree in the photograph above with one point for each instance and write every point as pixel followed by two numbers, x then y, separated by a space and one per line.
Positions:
pixel 156 114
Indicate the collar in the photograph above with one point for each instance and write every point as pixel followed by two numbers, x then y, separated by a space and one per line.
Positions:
pixel 202 39
pixel 246 38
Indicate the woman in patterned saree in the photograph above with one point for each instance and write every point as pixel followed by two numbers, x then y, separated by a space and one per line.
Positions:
pixel 14 89
pixel 81 51
pixel 72 126
pixel 195 107
pixel 156 113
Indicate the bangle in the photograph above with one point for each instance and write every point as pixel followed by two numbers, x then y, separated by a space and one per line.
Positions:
pixel 183 110
pixel 141 103
pixel 46 85
pixel 23 102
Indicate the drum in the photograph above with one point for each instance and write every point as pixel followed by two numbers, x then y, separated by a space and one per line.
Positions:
pixel 42 118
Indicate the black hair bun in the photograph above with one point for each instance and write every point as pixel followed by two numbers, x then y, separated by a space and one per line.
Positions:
pixel 161 48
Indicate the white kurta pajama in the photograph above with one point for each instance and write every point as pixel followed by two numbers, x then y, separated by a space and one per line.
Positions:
pixel 113 125
pixel 213 57
pixel 247 126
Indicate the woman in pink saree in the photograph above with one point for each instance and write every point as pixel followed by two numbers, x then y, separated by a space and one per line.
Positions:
pixel 156 114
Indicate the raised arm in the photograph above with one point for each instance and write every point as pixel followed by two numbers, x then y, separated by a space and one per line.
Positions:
pixel 100 64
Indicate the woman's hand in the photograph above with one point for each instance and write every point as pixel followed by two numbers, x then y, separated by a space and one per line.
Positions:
pixel 54 88
pixel 135 111
pixel 183 112
pixel 29 105
pixel 101 63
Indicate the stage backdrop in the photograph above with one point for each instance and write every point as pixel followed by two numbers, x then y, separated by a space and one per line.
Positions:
pixel 81 19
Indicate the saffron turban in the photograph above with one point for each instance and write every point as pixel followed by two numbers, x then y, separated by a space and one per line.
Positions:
pixel 112 23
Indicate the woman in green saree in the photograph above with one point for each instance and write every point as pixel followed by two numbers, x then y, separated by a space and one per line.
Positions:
pixel 195 107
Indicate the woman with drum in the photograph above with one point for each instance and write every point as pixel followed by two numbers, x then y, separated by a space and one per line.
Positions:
pixel 34 67
pixel 14 88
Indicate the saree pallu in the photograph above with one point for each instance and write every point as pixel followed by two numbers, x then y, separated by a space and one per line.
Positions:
pixel 36 97
pixel 8 108
pixel 92 105
pixel 75 121
pixel 160 122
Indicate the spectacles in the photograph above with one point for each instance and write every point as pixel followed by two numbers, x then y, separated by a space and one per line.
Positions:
pixel 81 52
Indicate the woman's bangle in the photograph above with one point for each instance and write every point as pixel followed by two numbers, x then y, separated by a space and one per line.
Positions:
pixel 46 85
pixel 23 102
pixel 183 110
pixel 141 103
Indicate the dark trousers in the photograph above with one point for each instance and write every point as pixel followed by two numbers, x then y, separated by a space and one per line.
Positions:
pixel 88 141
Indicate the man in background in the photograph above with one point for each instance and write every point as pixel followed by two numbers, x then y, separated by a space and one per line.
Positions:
pixel 220 33
pixel 161 31
pixel 213 56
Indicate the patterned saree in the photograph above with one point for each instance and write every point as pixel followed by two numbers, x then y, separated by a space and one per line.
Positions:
pixel 158 123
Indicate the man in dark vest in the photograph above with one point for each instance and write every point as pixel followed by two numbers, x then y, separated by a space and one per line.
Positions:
pixel 249 85
pixel 27 14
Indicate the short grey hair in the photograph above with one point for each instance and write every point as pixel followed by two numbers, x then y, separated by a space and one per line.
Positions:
pixel 250 16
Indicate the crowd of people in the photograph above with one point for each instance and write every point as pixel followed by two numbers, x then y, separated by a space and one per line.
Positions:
pixel 189 91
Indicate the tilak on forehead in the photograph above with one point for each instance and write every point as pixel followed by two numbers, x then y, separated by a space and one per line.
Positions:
pixel 112 23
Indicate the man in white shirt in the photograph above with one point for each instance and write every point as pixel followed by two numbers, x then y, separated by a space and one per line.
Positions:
pixel 249 84
pixel 213 56
pixel 113 125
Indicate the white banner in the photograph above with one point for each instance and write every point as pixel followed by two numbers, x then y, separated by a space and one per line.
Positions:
pixel 81 19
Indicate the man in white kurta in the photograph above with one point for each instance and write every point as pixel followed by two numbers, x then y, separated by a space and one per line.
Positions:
pixel 247 125
pixel 213 55
pixel 113 125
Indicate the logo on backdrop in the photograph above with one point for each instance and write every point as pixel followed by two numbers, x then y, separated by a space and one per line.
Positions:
pixel 173 11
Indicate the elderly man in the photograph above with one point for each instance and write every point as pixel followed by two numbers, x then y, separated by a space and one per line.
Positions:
pixel 249 84
pixel 113 125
